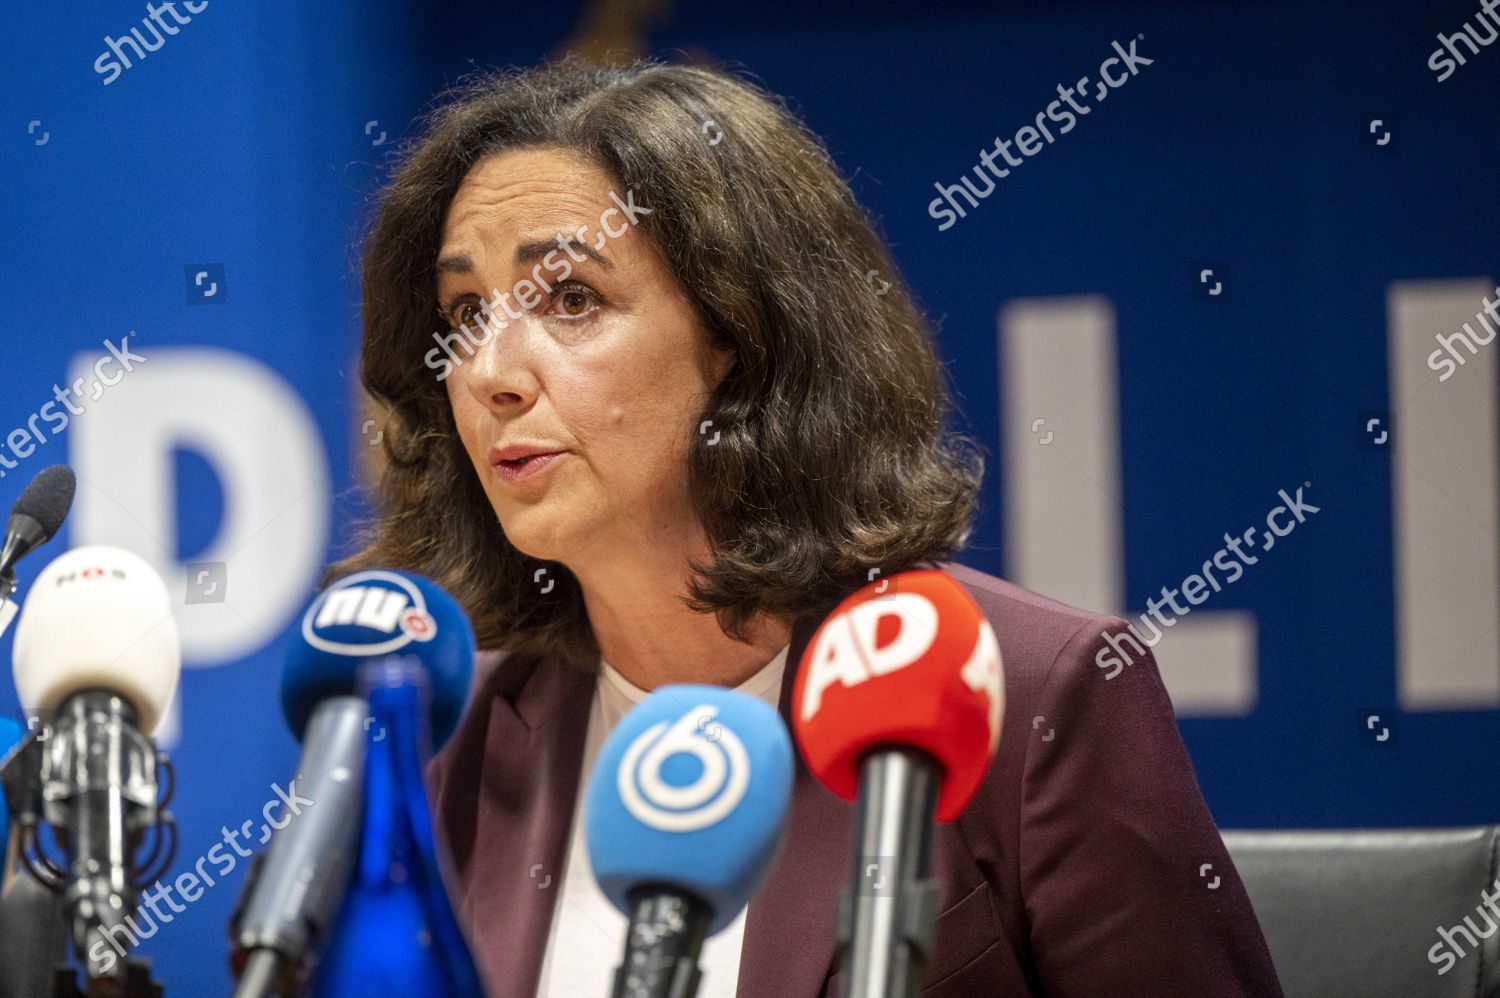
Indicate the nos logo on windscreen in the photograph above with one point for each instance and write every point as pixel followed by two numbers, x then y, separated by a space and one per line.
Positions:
pixel 368 613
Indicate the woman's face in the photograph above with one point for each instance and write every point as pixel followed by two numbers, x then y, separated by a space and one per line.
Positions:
pixel 611 367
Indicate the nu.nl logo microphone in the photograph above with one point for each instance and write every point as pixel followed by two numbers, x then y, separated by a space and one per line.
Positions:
pixel 369 613
pixel 657 782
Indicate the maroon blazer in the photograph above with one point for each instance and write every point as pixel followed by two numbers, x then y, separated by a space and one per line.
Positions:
pixel 1074 871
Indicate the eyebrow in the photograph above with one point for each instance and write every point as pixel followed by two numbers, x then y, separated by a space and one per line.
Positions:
pixel 458 263
pixel 536 249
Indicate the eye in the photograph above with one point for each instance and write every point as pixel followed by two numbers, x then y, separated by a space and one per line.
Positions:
pixel 463 310
pixel 574 300
pixel 469 313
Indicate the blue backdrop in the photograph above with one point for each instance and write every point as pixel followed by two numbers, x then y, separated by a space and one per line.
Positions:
pixel 208 201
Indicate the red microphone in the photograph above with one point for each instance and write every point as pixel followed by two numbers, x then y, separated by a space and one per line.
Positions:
pixel 897 707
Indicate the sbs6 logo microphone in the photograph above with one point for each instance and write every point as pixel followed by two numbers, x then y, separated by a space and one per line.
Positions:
pixel 680 777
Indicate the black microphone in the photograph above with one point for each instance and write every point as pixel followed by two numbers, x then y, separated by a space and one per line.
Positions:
pixel 33 939
pixel 30 916
pixel 33 934
pixel 36 516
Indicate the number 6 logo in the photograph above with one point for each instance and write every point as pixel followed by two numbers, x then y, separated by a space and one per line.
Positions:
pixel 718 789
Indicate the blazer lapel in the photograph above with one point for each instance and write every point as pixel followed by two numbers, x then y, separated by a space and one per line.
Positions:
pixel 791 926
pixel 536 745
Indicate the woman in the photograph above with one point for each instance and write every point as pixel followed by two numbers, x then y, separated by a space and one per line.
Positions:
pixel 681 407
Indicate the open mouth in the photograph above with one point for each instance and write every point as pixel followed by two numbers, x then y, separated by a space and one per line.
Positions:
pixel 517 462
pixel 514 469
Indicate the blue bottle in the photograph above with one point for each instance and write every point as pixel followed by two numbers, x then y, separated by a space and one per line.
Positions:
pixel 396 934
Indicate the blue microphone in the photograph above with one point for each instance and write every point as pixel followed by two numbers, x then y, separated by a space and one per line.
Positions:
pixel 682 818
pixel 377 672
pixel 10 736
pixel 372 615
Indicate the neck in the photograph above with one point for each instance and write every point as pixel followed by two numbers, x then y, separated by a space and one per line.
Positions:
pixel 645 632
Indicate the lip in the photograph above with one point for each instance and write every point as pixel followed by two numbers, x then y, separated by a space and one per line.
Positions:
pixel 522 448
pixel 541 458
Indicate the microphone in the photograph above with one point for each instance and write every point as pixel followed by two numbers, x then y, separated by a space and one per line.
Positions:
pixel 36 516
pixel 366 632
pixel 96 649
pixel 33 933
pixel 682 817
pixel 10 736
pixel 898 706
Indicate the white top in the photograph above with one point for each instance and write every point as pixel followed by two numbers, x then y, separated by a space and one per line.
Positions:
pixel 587 938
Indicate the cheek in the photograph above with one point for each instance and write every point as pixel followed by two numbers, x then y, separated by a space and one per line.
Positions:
pixel 463 406
pixel 655 428
pixel 579 401
pixel 629 421
pixel 633 402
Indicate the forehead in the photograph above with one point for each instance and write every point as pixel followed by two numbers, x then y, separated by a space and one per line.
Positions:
pixel 527 189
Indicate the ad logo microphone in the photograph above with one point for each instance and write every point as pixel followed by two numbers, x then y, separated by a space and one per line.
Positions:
pixel 898 707
pixel 916 665
pixel 717 790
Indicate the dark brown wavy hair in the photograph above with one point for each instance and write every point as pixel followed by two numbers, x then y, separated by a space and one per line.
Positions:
pixel 833 457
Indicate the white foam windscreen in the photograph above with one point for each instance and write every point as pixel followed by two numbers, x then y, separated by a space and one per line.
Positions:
pixel 98 617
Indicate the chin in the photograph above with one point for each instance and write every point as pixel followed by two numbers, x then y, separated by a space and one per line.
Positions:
pixel 534 533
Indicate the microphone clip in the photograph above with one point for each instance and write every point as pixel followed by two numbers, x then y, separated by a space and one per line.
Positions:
pixel 51 769
pixel 90 762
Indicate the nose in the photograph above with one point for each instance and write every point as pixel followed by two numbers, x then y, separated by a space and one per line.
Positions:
pixel 502 373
